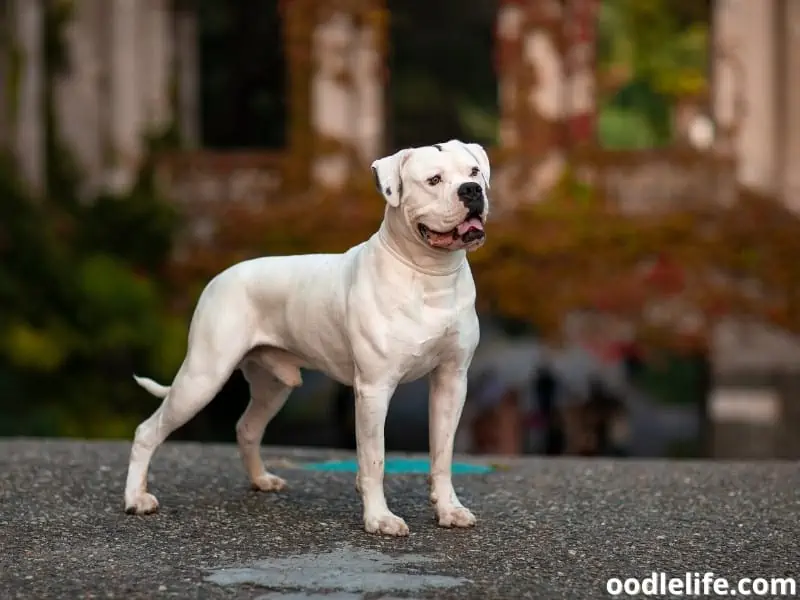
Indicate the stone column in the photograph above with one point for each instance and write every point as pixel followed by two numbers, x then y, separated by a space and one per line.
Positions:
pixel 745 63
pixel 299 20
pixel 581 53
pixel 346 102
pixel 332 109
pixel 757 146
pixel 79 99
pixel 369 82
pixel 5 65
pixel 788 388
pixel 124 94
pixel 29 103
pixel 791 126
pixel 156 58
pixel 727 77
pixel 534 96
pixel 335 53
pixel 187 67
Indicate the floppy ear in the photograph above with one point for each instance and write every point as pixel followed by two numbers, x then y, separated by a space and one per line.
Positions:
pixel 479 154
pixel 386 171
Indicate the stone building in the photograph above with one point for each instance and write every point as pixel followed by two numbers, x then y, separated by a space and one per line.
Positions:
pixel 123 59
pixel 756 81
pixel 132 63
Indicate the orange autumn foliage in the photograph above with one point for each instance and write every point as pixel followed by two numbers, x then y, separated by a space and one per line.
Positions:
pixel 543 261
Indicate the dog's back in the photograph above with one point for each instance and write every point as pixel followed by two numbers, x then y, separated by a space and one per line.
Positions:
pixel 306 297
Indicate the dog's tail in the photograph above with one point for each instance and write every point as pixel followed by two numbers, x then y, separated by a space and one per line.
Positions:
pixel 158 390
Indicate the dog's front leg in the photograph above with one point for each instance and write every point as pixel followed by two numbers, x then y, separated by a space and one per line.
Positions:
pixel 372 405
pixel 448 390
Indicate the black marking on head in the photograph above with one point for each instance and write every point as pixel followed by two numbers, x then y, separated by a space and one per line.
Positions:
pixel 388 191
pixel 438 147
pixel 472 154
pixel 378 185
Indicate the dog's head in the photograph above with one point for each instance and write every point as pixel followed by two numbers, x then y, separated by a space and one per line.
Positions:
pixel 438 193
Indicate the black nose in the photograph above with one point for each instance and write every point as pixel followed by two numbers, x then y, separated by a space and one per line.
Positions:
pixel 471 194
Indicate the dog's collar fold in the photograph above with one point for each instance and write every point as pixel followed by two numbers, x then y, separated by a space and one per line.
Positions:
pixel 381 235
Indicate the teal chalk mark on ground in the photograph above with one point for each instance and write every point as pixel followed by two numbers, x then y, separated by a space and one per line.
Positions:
pixel 402 466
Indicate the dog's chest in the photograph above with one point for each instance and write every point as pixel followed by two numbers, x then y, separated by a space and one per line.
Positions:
pixel 424 330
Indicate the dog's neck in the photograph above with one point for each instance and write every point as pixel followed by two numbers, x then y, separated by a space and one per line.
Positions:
pixel 413 253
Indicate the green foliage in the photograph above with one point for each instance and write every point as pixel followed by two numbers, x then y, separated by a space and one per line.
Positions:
pixel 663 42
pixel 34 349
pixel 623 128
pixel 82 307
pixel 673 379
pixel 658 52
pixel 138 227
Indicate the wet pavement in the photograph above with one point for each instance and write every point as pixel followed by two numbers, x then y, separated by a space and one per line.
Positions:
pixel 547 528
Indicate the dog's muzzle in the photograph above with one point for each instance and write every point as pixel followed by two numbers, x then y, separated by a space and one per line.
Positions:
pixel 469 231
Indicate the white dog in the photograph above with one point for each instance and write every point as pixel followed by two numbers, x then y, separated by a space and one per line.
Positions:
pixel 393 309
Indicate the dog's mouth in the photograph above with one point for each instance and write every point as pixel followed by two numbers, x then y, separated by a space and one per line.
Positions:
pixel 468 232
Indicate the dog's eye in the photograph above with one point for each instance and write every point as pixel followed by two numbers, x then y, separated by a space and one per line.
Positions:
pixel 475 171
pixel 435 180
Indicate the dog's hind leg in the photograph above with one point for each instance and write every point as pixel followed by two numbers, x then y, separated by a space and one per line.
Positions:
pixel 268 394
pixel 214 351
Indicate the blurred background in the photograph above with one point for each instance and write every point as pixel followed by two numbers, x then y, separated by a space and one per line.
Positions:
pixel 639 289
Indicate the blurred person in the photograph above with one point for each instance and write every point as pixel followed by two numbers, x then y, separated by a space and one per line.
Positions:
pixel 590 403
pixel 545 392
pixel 588 423
pixel 501 416
pixel 493 417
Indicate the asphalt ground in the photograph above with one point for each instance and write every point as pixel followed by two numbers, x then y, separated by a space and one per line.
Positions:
pixel 547 528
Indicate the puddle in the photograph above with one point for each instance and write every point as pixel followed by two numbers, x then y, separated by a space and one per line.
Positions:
pixel 400 466
pixel 334 596
pixel 301 596
pixel 352 572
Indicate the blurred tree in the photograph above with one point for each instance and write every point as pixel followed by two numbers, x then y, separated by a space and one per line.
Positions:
pixel 82 297
pixel 77 316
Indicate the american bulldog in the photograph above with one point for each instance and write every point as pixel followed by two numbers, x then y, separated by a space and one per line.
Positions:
pixel 395 308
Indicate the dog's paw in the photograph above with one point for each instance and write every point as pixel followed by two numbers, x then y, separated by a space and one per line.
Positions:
pixel 267 482
pixel 455 516
pixel 386 524
pixel 143 504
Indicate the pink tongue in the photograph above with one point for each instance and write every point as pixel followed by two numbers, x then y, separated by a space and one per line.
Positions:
pixel 469 225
